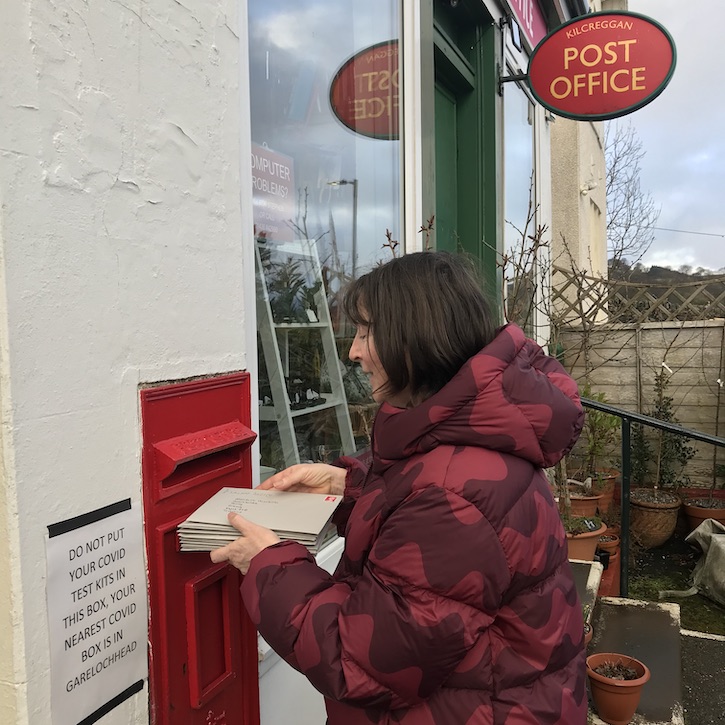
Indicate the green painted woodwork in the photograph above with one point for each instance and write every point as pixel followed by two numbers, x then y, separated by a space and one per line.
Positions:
pixel 467 164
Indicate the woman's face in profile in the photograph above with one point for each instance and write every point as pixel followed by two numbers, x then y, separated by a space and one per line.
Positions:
pixel 363 352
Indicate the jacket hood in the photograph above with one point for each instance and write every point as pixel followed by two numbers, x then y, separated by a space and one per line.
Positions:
pixel 510 397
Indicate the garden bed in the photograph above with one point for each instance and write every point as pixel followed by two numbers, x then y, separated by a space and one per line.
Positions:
pixel 668 567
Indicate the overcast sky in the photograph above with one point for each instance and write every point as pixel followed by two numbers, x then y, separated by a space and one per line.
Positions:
pixel 683 136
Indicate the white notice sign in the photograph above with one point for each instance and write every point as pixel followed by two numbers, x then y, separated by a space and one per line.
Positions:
pixel 97 621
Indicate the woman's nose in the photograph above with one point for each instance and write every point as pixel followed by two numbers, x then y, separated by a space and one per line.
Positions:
pixel 354 352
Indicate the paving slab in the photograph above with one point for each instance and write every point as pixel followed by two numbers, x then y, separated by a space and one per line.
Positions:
pixel 703 678
pixel 649 631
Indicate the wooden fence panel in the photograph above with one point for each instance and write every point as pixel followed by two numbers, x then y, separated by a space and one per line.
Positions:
pixel 622 360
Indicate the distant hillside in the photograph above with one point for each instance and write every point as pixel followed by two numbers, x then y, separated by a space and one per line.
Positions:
pixel 660 275
pixel 662 294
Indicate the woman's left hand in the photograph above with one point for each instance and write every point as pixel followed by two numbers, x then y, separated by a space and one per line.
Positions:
pixel 253 539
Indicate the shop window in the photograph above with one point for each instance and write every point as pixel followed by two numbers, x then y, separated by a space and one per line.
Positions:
pixel 521 267
pixel 326 177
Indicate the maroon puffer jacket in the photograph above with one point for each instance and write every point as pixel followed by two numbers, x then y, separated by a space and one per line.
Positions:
pixel 454 602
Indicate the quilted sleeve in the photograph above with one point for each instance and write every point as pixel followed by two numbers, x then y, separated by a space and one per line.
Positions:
pixel 357 467
pixel 425 598
pixel 565 404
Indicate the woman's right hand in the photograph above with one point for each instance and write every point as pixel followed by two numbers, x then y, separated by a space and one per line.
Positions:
pixel 308 478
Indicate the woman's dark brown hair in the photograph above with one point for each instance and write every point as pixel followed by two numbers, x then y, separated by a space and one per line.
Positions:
pixel 427 314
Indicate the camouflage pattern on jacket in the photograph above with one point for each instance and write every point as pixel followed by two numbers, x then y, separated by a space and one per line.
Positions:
pixel 454 602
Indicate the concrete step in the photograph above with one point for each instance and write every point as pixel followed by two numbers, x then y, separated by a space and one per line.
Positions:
pixel 703 665
pixel 649 631
pixel 587 575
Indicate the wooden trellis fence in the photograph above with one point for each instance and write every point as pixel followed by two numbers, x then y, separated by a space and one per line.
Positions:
pixel 616 336
pixel 579 299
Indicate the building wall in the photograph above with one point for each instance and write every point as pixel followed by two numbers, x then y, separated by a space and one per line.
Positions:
pixel 578 182
pixel 121 229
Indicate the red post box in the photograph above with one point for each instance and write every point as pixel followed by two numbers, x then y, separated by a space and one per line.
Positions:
pixel 203 647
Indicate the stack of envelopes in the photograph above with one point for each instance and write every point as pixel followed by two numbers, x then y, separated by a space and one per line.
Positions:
pixel 302 517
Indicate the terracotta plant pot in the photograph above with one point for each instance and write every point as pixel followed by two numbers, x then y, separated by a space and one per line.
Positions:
pixel 688 492
pixel 583 501
pixel 697 510
pixel 606 481
pixel 609 584
pixel 616 700
pixel 608 542
pixel 583 546
pixel 653 516
pixel 584 505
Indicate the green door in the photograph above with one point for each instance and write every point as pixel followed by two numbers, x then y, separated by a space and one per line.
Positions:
pixel 446 165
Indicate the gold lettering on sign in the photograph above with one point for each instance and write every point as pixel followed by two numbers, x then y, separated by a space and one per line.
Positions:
pixel 599 81
pixel 599 25
pixel 364 108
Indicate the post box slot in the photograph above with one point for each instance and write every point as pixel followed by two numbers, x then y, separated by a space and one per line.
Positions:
pixel 212 451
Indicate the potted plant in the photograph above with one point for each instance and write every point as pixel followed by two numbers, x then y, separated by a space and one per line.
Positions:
pixel 654 510
pixel 616 683
pixel 582 535
pixel 608 548
pixel 601 432
pixel 582 498
pixel 711 505
pixel 582 532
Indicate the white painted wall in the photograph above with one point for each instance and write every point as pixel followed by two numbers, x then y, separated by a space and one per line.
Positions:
pixel 578 182
pixel 122 215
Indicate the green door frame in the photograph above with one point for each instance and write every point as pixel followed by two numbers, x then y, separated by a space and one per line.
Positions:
pixel 466 43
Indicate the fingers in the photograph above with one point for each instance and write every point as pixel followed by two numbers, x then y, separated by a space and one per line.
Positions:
pixel 219 555
pixel 307 477
pixel 240 552
pixel 288 478
pixel 238 522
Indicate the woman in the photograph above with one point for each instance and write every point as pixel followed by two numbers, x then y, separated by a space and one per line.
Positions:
pixel 453 602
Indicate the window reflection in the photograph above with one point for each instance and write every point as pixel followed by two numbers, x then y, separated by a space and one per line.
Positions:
pixel 296 48
pixel 321 177
pixel 519 196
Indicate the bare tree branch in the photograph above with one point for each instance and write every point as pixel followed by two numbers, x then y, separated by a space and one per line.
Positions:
pixel 631 211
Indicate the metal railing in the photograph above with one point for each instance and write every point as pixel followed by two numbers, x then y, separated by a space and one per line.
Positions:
pixel 627 419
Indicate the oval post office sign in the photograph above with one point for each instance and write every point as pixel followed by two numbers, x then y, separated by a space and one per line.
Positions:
pixel 364 92
pixel 602 65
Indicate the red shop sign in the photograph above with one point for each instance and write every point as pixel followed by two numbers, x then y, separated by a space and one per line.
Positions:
pixel 364 92
pixel 602 65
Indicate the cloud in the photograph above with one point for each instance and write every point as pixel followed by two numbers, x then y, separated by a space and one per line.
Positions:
pixel 681 134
